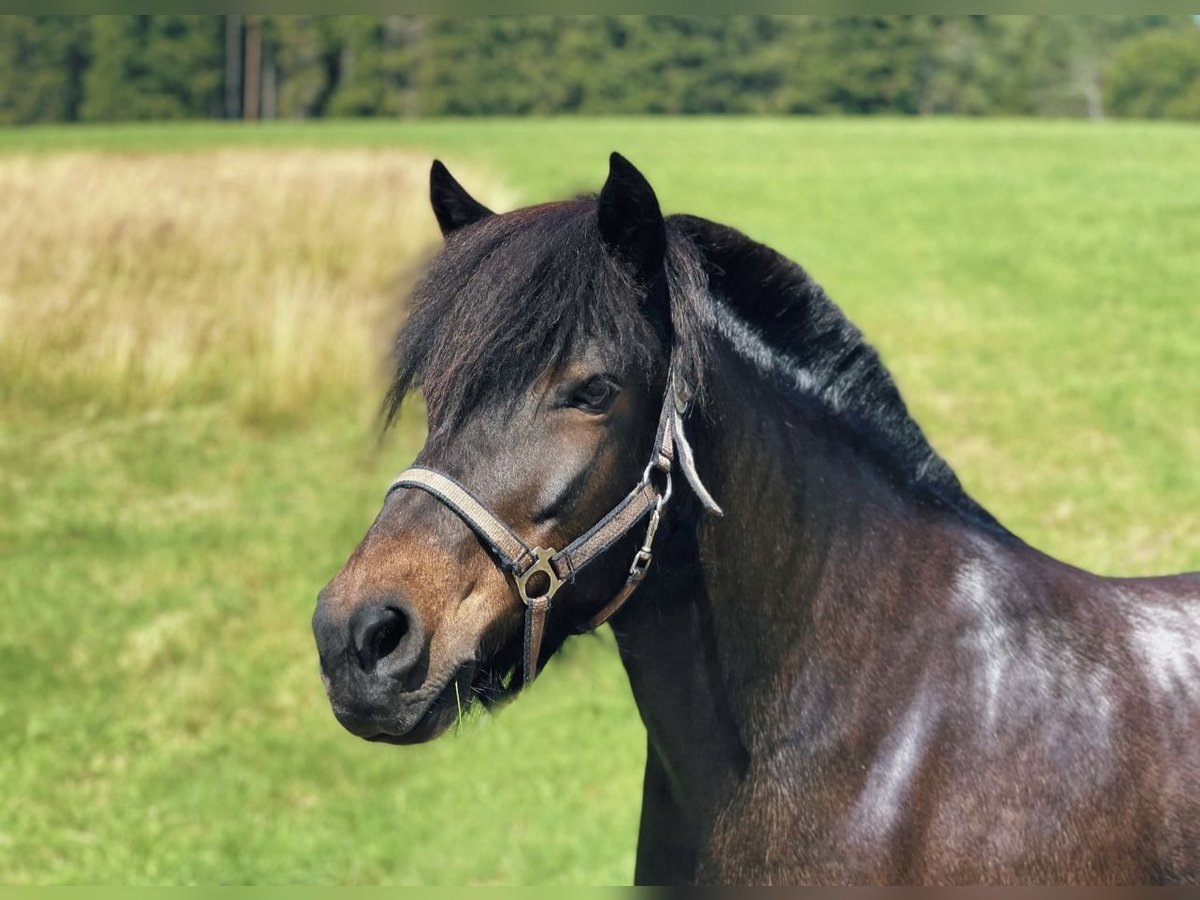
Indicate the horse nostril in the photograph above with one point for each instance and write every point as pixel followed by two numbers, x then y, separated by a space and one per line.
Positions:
pixel 388 636
pixel 377 632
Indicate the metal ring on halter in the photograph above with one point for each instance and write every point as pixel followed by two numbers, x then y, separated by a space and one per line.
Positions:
pixel 666 495
pixel 662 501
pixel 543 558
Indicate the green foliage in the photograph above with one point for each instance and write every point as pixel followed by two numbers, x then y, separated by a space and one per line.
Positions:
pixel 300 46
pixel 508 66
pixel 1157 76
pixel 42 61
pixel 154 67
pixel 142 67
pixel 378 64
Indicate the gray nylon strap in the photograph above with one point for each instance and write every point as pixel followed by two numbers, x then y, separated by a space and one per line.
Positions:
pixel 663 453
pixel 607 531
pixel 513 552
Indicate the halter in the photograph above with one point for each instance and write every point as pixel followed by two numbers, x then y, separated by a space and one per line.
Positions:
pixel 538 572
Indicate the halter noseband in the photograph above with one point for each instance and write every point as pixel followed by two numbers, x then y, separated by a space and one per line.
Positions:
pixel 539 572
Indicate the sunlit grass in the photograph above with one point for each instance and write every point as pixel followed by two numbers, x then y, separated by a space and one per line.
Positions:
pixel 267 281
pixel 1033 286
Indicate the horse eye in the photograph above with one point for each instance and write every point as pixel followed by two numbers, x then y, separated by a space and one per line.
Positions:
pixel 596 395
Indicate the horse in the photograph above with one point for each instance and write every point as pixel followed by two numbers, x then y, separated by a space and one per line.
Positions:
pixel 848 670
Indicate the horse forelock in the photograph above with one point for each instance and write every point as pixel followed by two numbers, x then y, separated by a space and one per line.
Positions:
pixel 508 298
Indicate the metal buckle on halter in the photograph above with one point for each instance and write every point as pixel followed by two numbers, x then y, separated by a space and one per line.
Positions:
pixel 543 558
pixel 641 559
pixel 641 562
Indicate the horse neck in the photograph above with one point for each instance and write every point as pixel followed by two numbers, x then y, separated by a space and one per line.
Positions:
pixel 739 644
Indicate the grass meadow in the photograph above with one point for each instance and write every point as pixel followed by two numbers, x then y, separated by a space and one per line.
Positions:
pixel 193 321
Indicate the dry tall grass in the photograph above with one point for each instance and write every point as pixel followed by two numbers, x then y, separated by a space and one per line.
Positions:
pixel 269 280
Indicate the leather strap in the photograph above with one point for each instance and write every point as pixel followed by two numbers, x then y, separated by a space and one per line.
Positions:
pixel 535 627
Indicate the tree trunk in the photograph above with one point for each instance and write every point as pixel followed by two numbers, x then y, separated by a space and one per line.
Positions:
pixel 270 85
pixel 233 66
pixel 253 67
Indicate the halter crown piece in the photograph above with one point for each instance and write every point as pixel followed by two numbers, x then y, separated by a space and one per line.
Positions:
pixel 539 572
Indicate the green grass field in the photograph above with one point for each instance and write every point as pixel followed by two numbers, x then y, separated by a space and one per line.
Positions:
pixel 182 471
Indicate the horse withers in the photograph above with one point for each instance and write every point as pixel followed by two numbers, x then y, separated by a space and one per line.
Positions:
pixel 848 670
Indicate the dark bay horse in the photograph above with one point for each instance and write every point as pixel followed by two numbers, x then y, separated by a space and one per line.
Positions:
pixel 850 672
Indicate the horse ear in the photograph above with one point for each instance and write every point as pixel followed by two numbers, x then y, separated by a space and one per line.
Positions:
pixel 631 224
pixel 452 205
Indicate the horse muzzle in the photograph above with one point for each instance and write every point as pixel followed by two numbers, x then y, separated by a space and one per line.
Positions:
pixel 376 672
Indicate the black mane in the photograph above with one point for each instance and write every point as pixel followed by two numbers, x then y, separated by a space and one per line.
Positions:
pixel 508 296
pixel 789 312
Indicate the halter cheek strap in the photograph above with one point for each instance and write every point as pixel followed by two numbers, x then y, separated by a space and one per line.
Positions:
pixel 539 572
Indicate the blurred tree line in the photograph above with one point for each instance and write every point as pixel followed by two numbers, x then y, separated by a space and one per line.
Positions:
pixel 108 68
